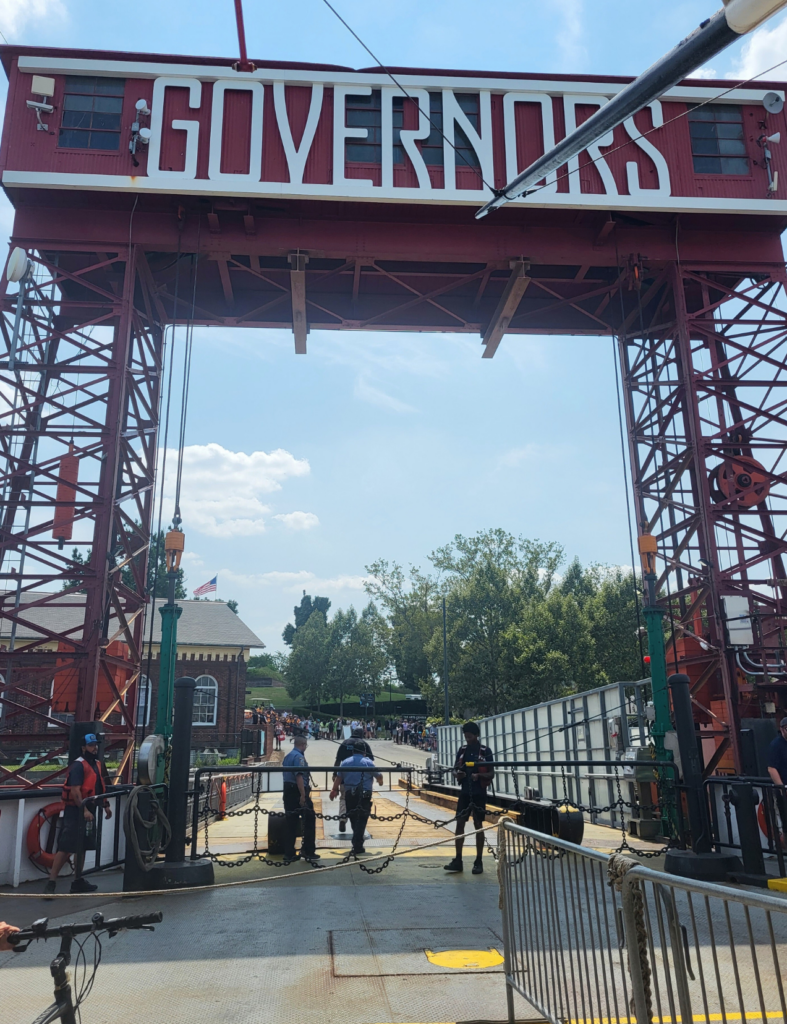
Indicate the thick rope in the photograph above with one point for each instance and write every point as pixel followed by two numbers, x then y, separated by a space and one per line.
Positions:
pixel 244 881
pixel 618 867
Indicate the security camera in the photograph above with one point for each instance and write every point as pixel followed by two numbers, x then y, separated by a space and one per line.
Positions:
pixel 38 106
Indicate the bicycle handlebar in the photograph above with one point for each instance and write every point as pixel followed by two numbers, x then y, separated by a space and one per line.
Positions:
pixel 39 929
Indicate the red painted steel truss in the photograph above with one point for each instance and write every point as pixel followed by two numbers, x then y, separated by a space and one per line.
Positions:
pixel 84 379
pixel 704 355
pixel 705 368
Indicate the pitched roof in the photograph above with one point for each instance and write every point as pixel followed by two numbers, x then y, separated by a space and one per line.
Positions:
pixel 206 623
pixel 202 623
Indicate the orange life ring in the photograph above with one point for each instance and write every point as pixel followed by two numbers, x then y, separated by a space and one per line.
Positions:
pixel 46 815
pixel 222 798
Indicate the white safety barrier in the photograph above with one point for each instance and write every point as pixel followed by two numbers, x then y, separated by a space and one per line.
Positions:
pixel 18 812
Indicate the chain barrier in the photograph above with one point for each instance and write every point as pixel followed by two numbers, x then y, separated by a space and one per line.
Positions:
pixel 408 813
pixel 255 853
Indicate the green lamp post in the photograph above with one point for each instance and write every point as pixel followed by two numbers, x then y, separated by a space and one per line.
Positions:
pixel 170 613
pixel 654 615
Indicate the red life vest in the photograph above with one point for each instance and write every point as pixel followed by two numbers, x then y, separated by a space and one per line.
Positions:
pixel 88 786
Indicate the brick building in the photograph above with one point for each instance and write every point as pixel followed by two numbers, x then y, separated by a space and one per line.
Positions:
pixel 213 646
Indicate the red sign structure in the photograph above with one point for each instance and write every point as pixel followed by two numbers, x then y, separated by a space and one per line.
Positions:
pixel 153 191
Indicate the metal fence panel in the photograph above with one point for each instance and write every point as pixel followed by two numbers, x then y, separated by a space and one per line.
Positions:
pixel 595 938
pixel 574 728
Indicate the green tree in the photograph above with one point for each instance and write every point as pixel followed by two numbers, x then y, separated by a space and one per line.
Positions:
pixel 307 665
pixel 76 581
pixel 302 613
pixel 488 580
pixel 233 606
pixel 157 581
pixel 358 658
pixel 554 650
pixel 411 603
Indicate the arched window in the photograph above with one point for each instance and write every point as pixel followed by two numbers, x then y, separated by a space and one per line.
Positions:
pixel 143 700
pixel 206 698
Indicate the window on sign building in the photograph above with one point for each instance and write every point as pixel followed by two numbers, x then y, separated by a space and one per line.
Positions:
pixel 717 141
pixel 432 147
pixel 466 156
pixel 206 697
pixel 92 109
pixel 365 112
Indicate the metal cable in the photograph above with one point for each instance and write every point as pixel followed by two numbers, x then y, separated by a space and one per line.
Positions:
pixel 161 489
pixel 398 85
pixel 642 135
pixel 616 356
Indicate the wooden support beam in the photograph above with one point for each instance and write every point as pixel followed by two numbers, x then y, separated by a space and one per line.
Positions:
pixel 506 307
pixel 300 327
pixel 226 284
pixel 605 231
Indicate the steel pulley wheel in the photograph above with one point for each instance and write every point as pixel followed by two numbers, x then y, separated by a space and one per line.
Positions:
pixel 741 478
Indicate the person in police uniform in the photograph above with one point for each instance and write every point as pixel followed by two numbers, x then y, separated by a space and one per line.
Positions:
pixel 474 778
pixel 86 777
pixel 347 749
pixel 298 803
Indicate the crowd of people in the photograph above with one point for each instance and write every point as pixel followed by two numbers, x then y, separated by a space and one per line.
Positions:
pixel 414 732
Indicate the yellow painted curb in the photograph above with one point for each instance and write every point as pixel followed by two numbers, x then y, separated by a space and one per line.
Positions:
pixel 779 884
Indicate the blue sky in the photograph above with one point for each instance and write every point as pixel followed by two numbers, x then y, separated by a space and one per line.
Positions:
pixel 300 471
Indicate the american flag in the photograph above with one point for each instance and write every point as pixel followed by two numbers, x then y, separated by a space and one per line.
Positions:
pixel 207 588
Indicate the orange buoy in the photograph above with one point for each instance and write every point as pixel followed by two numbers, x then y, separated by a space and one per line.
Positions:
pixel 66 497
pixel 43 858
pixel 223 798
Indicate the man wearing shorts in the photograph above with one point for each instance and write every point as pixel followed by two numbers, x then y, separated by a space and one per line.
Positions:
pixel 474 778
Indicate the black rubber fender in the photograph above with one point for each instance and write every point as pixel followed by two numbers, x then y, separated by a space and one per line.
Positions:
pixel 568 823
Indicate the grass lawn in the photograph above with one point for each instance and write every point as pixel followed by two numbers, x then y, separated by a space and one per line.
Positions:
pixel 277 694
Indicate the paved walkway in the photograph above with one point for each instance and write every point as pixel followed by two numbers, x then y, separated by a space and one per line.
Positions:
pixel 411 944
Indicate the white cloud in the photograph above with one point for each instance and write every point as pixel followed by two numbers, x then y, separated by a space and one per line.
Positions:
pixel 191 560
pixel 221 489
pixel 704 73
pixel 764 48
pixel 367 392
pixel 15 15
pixel 571 32
pixel 298 520
pixel 295 582
pixel 532 453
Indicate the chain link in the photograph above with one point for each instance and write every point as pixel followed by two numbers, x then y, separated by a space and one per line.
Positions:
pixel 408 812
pixel 256 810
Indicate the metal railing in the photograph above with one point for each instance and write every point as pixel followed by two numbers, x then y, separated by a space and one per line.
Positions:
pixel 760 830
pixel 589 937
pixel 264 778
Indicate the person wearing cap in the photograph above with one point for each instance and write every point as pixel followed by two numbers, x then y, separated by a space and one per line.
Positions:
pixel 356 773
pixel 347 749
pixel 298 803
pixel 87 777
pixel 474 778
